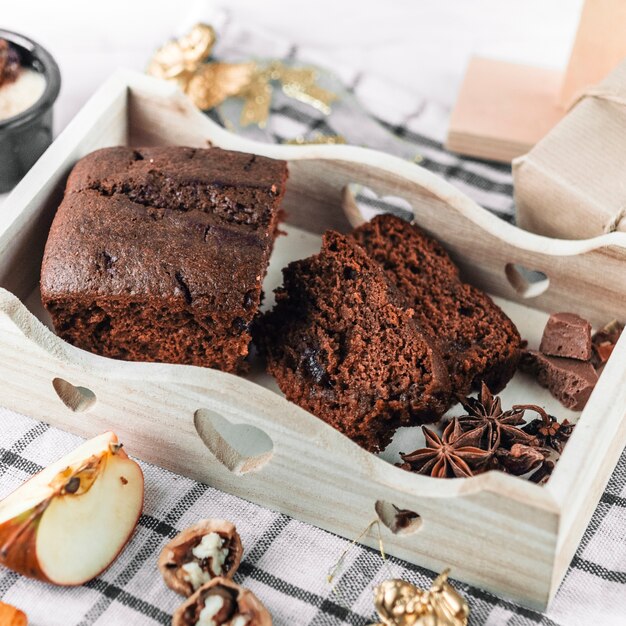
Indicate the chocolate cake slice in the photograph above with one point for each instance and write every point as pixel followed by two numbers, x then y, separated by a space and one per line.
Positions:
pixel 342 344
pixel 159 254
pixel 477 340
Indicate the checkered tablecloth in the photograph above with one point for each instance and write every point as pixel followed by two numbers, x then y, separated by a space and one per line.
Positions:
pixel 286 562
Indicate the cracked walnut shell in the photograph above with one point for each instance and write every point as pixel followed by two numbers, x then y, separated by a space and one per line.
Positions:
pixel 225 603
pixel 209 549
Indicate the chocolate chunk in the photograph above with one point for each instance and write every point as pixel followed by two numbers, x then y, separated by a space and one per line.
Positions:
pixel 314 367
pixel 567 335
pixel 569 380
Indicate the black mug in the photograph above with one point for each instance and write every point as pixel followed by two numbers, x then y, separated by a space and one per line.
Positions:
pixel 25 136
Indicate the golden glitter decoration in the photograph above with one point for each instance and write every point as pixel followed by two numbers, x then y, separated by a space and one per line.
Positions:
pixel 300 83
pixel 316 140
pixel 399 603
pixel 212 83
pixel 208 83
pixel 257 97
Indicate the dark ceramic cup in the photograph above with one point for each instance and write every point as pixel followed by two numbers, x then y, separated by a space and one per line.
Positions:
pixel 25 136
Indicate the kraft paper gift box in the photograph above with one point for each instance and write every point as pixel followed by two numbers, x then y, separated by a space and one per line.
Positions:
pixel 572 184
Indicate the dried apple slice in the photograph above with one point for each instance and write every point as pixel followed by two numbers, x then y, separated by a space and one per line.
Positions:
pixel 69 522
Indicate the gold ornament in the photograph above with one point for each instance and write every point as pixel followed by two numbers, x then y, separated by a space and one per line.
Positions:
pixel 212 83
pixel 209 83
pixel 257 95
pixel 300 83
pixel 399 603
pixel 179 59
pixel 316 140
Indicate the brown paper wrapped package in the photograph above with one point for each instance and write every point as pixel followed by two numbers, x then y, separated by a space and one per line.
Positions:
pixel 572 184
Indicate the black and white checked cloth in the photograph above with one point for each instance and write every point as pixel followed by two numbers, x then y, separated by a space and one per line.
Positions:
pixel 286 562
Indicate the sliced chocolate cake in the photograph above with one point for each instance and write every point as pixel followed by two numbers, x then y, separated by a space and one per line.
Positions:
pixel 342 344
pixel 477 340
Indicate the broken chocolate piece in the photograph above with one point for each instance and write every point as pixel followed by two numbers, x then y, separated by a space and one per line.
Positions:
pixel 567 335
pixel 570 381
pixel 221 602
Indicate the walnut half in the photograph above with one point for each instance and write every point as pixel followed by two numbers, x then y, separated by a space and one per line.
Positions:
pixel 209 549
pixel 221 602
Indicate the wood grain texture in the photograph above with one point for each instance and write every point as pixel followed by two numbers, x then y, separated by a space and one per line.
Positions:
pixel 504 109
pixel 496 531
pixel 597 49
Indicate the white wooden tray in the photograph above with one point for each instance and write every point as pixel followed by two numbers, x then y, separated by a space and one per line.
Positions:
pixel 496 531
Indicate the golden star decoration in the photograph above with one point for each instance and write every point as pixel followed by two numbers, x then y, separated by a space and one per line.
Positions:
pixel 208 83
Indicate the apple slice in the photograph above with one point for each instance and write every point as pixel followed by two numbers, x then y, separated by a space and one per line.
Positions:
pixel 68 523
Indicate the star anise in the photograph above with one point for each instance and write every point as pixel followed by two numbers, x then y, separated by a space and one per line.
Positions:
pixel 604 341
pixel 542 475
pixel 501 427
pixel 520 459
pixel 456 454
pixel 547 430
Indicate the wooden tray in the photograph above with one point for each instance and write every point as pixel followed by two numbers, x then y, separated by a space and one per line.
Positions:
pixel 496 531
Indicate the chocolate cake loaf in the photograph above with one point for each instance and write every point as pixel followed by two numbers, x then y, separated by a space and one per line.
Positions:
pixel 477 340
pixel 342 344
pixel 158 254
